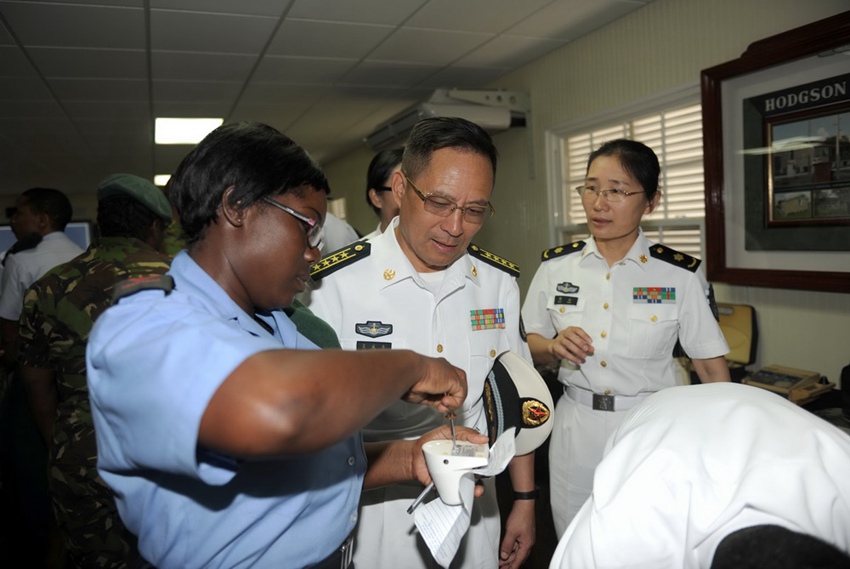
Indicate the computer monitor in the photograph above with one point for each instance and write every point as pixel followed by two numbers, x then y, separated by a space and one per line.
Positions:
pixel 80 232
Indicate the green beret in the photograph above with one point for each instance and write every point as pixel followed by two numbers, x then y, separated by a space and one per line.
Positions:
pixel 137 188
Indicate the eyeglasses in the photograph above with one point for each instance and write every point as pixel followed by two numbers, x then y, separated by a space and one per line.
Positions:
pixel 380 189
pixel 443 207
pixel 614 195
pixel 315 233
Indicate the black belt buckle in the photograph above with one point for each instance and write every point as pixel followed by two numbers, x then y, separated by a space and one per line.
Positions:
pixel 603 402
pixel 347 550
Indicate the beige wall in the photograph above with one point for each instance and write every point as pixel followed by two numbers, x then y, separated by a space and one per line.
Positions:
pixel 660 47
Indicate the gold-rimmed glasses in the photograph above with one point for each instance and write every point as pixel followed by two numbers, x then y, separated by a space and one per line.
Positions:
pixel 614 195
pixel 444 207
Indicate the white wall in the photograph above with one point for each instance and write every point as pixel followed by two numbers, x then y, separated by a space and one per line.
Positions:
pixel 660 47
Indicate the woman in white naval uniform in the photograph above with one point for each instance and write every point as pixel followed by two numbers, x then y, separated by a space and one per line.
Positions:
pixel 610 310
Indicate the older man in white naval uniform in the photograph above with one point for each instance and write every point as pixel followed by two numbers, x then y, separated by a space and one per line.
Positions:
pixel 420 285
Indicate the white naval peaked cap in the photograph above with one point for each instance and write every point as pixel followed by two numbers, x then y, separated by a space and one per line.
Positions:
pixel 515 395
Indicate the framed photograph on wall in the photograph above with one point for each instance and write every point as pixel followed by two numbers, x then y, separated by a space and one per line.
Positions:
pixel 777 161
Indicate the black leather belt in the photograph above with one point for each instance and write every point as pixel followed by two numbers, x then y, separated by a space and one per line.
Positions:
pixel 339 559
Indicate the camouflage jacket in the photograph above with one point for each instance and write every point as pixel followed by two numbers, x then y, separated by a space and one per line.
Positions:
pixel 61 307
pixel 59 312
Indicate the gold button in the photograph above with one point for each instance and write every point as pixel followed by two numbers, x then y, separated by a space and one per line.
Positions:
pixel 562 310
pixel 607 392
pixel 604 364
pixel 492 353
pixel 605 306
pixel 439 348
pixel 604 334
pixel 654 318
pixel 608 277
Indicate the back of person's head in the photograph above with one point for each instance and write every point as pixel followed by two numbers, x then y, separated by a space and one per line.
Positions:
pixel 776 547
pixel 432 134
pixel 380 168
pixel 128 206
pixel 51 202
pixel 255 159
pixel 636 158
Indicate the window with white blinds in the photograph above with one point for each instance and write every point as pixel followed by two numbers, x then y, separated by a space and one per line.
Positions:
pixel 676 137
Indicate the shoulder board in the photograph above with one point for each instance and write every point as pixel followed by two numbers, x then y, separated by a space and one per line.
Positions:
pixel 132 286
pixel 674 257
pixel 340 258
pixel 562 250
pixel 491 259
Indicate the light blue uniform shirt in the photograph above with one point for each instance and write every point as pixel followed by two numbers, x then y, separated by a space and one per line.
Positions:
pixel 154 362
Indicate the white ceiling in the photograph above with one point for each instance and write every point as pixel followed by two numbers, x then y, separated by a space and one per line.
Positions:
pixel 82 80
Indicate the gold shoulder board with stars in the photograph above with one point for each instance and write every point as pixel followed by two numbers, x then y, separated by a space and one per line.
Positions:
pixel 562 250
pixel 674 257
pixel 495 260
pixel 340 258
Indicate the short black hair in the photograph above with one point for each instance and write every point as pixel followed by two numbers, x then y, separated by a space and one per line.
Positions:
pixel 382 164
pixel 636 158
pixel 432 134
pixel 257 160
pixel 52 202
pixel 778 548
pixel 123 216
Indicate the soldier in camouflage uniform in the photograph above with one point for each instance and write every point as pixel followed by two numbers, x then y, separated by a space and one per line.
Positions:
pixel 59 311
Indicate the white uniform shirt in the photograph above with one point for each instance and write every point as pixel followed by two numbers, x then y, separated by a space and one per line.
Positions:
pixel 634 311
pixel 693 464
pixel 381 302
pixel 25 267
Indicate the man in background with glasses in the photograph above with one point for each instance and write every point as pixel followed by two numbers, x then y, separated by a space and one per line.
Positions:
pixel 421 285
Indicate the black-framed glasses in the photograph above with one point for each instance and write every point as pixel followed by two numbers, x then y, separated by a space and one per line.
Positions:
pixel 614 195
pixel 315 232
pixel 380 189
pixel 444 207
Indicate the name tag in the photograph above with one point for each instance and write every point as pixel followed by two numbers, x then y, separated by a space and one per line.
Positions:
pixel 374 345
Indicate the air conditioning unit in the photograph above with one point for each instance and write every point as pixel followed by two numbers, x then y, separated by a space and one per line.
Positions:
pixel 493 110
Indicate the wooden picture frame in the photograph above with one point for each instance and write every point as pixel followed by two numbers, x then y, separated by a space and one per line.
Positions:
pixel 801 56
